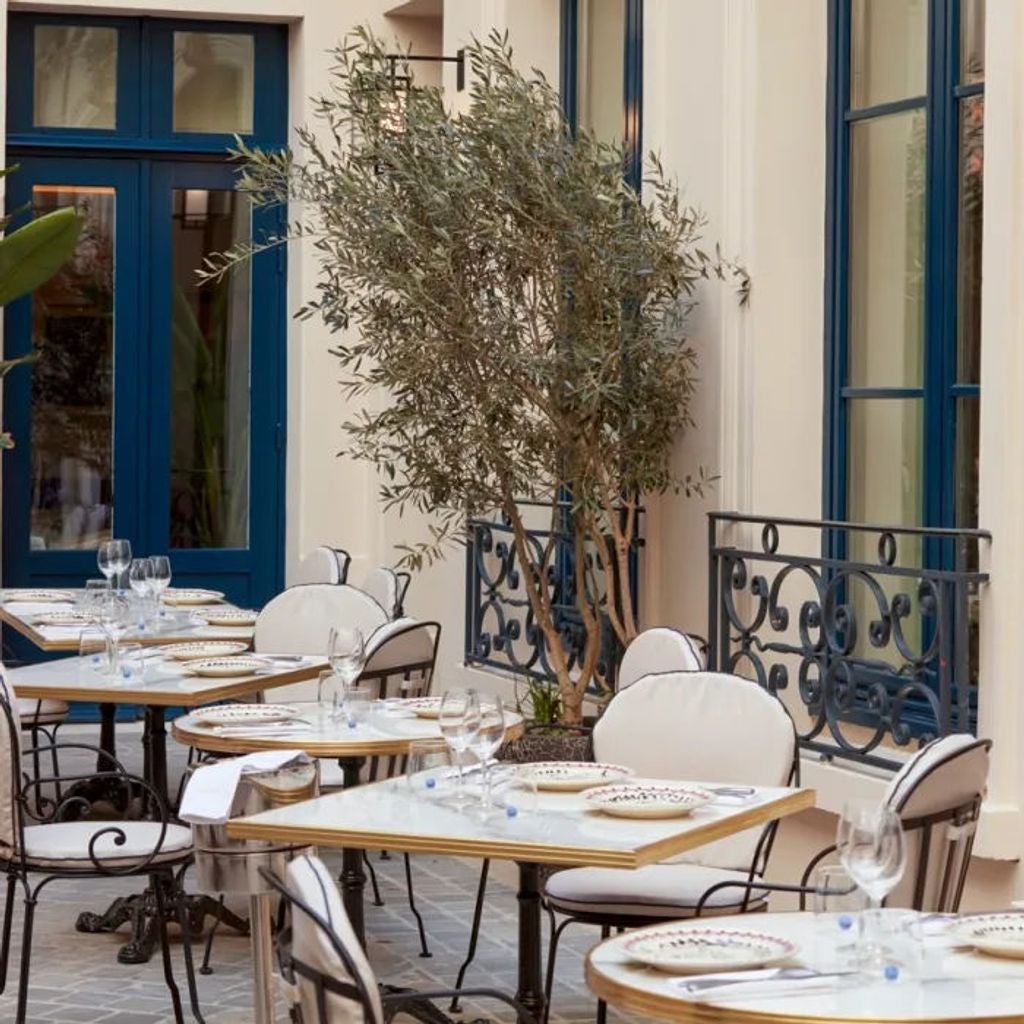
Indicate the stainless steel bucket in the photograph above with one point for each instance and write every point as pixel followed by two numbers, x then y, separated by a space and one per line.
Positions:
pixel 224 864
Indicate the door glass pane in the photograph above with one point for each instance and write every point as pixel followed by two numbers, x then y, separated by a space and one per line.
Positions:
pixel 75 77
pixel 209 487
pixel 967 448
pixel 602 25
pixel 972 41
pixel 888 50
pixel 887 207
pixel 213 82
pixel 73 379
pixel 972 120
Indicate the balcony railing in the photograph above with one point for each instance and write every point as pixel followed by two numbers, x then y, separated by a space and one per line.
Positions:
pixel 500 628
pixel 881 647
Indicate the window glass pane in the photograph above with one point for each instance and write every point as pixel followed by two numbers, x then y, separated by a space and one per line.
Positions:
pixel 887 207
pixel 213 82
pixel 967 448
pixel 73 379
pixel 884 460
pixel 972 41
pixel 601 43
pixel 209 489
pixel 75 77
pixel 972 120
pixel 888 50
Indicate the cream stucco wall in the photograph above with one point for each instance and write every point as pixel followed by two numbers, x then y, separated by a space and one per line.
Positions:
pixel 734 100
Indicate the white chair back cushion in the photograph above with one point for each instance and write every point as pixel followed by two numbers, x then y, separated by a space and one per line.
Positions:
pixel 382 585
pixel 400 643
pixel 309 879
pixel 944 774
pixel 299 620
pixel 658 650
pixel 321 565
pixel 10 756
pixel 700 727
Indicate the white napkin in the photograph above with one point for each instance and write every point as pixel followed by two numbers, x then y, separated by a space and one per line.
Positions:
pixel 764 981
pixel 210 793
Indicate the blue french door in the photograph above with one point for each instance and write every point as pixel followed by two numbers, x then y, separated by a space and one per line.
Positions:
pixel 155 409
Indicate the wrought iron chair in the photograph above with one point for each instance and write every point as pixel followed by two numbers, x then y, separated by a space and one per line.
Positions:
pixel 661 649
pixel 325 971
pixel 682 725
pixel 324 565
pixel 938 795
pixel 56 839
pixel 41 719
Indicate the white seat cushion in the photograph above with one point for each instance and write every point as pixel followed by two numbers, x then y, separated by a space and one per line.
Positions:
pixel 41 712
pixel 65 844
pixel 659 890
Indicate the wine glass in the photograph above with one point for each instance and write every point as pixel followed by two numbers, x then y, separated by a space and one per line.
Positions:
pixel 160 578
pixel 459 721
pixel 140 575
pixel 114 614
pixel 113 557
pixel 872 848
pixel 488 738
pixel 346 653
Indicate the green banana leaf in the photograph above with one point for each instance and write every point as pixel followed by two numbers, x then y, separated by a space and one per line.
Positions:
pixel 32 254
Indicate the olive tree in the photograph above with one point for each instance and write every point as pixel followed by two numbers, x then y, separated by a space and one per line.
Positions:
pixel 520 305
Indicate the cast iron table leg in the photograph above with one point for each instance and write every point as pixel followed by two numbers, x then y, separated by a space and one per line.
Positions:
pixel 531 987
pixel 353 879
pixel 108 737
pixel 260 936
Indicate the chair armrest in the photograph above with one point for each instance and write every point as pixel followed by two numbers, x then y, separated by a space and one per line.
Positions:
pixel 397 1000
pixel 750 887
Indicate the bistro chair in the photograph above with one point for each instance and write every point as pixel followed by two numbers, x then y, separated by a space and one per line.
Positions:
pixel 661 649
pixel 388 588
pixel 937 794
pixel 703 726
pixel 324 565
pixel 324 970
pixel 55 839
pixel 41 719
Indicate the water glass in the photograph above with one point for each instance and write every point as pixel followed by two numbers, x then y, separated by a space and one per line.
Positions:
pixel 513 798
pixel 838 904
pixel 114 615
pixel 96 647
pixel 327 696
pixel 488 737
pixel 356 704
pixel 346 653
pixel 429 771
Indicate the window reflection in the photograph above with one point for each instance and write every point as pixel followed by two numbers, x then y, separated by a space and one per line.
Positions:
pixel 75 77
pixel 213 82
pixel 73 379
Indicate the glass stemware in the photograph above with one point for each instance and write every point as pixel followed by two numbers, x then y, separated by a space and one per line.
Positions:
pixel 872 849
pixel 113 558
pixel 346 653
pixel 114 613
pixel 140 575
pixel 488 738
pixel 459 721
pixel 160 578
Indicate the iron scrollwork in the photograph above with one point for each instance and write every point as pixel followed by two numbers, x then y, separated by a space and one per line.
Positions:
pixel 881 650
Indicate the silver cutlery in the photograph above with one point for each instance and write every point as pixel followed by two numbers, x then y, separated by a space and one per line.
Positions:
pixel 694 986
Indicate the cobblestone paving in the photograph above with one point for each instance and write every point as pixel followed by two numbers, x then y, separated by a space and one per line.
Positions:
pixel 76 979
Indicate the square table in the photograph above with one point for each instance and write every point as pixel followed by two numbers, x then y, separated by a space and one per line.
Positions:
pixel 561 831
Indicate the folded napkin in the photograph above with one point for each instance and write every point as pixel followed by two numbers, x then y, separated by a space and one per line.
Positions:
pixel 780 981
pixel 210 794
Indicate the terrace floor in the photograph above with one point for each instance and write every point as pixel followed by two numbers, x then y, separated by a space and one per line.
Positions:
pixel 76 979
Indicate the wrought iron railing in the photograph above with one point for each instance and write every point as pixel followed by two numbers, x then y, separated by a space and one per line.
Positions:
pixel 501 631
pixel 882 647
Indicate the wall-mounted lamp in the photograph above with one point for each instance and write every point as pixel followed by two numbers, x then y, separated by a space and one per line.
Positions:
pixel 459 60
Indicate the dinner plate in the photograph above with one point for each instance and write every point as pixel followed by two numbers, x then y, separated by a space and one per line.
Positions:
pixel 424 707
pixel 228 617
pixel 995 934
pixel 660 800
pixel 39 597
pixel 677 949
pixel 204 649
pixel 244 714
pixel 573 776
pixel 175 595
pixel 69 617
pixel 238 665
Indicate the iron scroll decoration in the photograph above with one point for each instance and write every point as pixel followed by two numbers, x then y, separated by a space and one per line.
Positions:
pixel 879 650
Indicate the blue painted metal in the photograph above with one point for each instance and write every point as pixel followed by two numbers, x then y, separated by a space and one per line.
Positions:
pixel 633 91
pixel 863 679
pixel 568 65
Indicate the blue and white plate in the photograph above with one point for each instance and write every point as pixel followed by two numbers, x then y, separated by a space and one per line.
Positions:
pixel 679 949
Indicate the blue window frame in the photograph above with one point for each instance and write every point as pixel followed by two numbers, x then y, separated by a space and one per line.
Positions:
pixel 902 300
pixel 147 171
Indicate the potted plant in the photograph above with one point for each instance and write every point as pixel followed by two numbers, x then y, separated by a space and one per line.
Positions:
pixel 520 305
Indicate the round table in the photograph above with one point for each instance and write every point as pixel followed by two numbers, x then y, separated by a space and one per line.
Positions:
pixel 389 735
pixel 967 986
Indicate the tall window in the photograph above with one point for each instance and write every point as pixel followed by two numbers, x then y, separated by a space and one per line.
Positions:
pixel 904 261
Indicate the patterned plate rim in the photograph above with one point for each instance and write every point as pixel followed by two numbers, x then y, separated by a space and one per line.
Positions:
pixel 595 795
pixel 182 591
pixel 182 652
pixel 71 617
pixel 197 665
pixel 787 947
pixel 966 923
pixel 38 596
pixel 280 712
pixel 582 766
pixel 240 617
